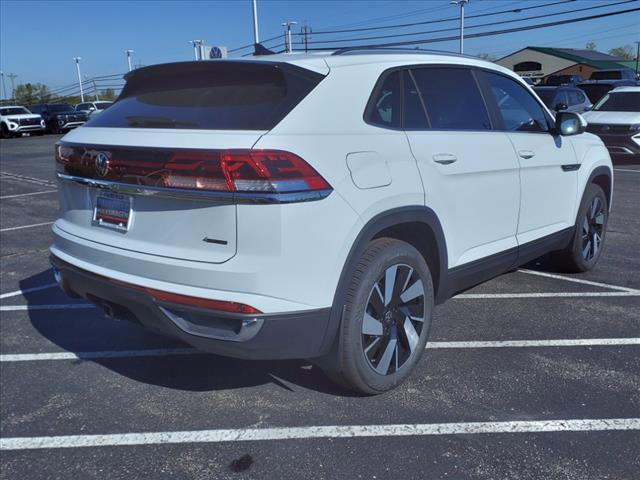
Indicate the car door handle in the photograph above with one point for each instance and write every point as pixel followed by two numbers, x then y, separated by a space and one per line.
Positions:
pixel 526 154
pixel 444 158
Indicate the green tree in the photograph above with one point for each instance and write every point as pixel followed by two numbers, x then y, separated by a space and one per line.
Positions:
pixel 487 56
pixel 108 94
pixel 626 52
pixel 590 46
pixel 31 93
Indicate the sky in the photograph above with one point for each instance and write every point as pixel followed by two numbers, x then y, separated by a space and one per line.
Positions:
pixel 38 39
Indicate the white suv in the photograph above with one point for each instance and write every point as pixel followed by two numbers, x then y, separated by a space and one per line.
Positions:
pixel 319 206
pixel 15 120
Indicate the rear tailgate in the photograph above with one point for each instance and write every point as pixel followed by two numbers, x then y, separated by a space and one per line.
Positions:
pixel 145 175
pixel 185 228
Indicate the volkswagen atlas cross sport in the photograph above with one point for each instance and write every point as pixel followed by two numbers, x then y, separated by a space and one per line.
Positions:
pixel 318 206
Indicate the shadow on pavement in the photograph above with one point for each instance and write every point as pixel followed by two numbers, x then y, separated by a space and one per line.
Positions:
pixel 88 330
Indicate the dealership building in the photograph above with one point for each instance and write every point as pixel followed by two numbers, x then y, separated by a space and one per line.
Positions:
pixel 539 62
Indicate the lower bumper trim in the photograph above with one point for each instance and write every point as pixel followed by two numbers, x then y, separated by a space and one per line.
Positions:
pixel 297 335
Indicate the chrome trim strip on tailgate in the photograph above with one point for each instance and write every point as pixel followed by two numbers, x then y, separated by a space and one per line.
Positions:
pixel 205 195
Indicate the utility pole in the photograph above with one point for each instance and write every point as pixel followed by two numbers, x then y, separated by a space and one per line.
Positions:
pixel 196 48
pixel 637 57
pixel 12 79
pixel 128 53
pixel 305 32
pixel 256 37
pixel 4 88
pixel 461 4
pixel 288 46
pixel 77 60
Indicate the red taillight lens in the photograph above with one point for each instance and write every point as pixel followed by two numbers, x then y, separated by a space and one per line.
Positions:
pixel 243 171
pixel 269 171
pixel 220 305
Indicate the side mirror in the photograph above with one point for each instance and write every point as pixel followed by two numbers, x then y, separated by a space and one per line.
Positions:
pixel 570 123
pixel 91 109
pixel 560 107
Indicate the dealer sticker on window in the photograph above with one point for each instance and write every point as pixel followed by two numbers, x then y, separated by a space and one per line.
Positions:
pixel 113 210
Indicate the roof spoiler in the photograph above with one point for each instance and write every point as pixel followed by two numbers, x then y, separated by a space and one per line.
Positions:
pixel 259 49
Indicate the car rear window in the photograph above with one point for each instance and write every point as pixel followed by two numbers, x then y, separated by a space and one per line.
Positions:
pixel 211 95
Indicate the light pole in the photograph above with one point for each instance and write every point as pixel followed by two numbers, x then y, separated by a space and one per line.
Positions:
pixel 196 48
pixel 256 38
pixel 461 3
pixel 637 56
pixel 288 46
pixel 4 88
pixel 128 53
pixel 77 60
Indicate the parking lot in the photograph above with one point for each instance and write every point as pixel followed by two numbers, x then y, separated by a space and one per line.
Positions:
pixel 533 375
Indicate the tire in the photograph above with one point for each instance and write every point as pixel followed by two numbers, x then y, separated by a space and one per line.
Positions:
pixel 383 331
pixel 4 131
pixel 585 249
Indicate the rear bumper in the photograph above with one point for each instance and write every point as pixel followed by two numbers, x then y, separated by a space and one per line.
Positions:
pixel 256 336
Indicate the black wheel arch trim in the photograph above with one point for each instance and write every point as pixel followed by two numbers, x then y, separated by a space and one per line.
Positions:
pixel 599 172
pixel 373 227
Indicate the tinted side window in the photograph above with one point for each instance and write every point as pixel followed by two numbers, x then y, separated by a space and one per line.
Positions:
pixel 519 110
pixel 384 105
pixel 414 112
pixel 575 97
pixel 452 99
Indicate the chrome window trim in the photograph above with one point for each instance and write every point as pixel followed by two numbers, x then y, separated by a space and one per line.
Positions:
pixel 189 194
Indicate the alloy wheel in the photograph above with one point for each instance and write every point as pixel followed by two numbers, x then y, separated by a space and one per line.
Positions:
pixel 593 229
pixel 393 319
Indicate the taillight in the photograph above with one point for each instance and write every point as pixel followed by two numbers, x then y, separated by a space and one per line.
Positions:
pixel 241 171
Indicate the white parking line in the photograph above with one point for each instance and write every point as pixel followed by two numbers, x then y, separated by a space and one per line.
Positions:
pixel 547 295
pixel 162 352
pixel 27 194
pixel 25 178
pixel 578 280
pixel 70 306
pixel 316 432
pixel 465 296
pixel 15 293
pixel 26 226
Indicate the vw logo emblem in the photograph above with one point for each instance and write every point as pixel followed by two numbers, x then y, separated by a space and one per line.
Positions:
pixel 102 164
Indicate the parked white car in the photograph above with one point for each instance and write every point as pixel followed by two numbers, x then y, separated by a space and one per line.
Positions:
pixel 616 120
pixel 318 206
pixel 93 108
pixel 15 120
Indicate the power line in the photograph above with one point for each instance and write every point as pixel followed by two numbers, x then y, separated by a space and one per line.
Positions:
pixel 448 19
pixel 502 22
pixel 490 33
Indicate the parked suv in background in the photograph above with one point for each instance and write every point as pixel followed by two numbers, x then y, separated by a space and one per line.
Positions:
pixel 616 120
pixel 60 117
pixel 93 108
pixel 614 74
pixel 319 206
pixel 15 120
pixel 597 89
pixel 559 80
pixel 559 99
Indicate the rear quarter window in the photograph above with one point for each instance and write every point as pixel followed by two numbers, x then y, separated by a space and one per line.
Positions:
pixel 211 95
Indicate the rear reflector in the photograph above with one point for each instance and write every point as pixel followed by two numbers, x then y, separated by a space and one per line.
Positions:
pixel 220 305
pixel 245 171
